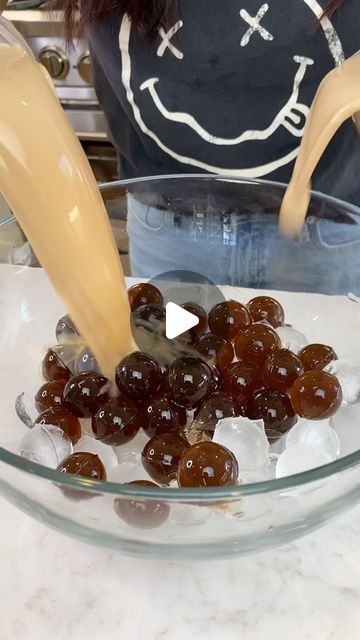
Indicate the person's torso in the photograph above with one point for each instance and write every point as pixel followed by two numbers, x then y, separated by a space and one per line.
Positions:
pixel 226 90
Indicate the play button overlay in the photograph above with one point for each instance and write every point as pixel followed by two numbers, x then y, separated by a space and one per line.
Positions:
pixel 178 321
pixel 168 330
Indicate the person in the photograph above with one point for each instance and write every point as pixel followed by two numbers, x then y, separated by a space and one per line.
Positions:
pixel 209 87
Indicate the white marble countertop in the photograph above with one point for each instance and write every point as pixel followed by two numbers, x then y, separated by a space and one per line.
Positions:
pixel 54 587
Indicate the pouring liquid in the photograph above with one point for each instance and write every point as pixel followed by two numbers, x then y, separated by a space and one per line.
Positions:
pixel 48 183
pixel 337 99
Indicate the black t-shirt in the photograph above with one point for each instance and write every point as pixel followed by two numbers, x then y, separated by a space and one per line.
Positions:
pixel 226 90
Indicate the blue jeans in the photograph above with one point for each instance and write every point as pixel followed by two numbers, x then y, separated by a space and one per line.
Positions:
pixel 247 250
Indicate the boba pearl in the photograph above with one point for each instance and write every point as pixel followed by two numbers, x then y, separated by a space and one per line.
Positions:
pixel 160 415
pixel 161 456
pixel 62 418
pixel 86 361
pixel 316 395
pixel 218 406
pixel 275 409
pixel 138 375
pixel 53 368
pixel 144 293
pixel 207 464
pixel 86 465
pixel 316 356
pixel 199 312
pixel 215 348
pixel 241 380
pixel 255 343
pixel 227 318
pixel 84 393
pixel 266 308
pixel 189 380
pixel 218 381
pixel 117 421
pixel 153 314
pixel 142 513
pixel 50 395
pixel 65 328
pixel 280 370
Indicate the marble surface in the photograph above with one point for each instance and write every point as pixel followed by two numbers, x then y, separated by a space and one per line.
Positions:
pixel 54 587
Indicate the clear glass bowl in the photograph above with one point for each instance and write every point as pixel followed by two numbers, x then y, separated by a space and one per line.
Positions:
pixel 226 230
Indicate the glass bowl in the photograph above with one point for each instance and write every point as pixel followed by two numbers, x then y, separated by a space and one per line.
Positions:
pixel 225 230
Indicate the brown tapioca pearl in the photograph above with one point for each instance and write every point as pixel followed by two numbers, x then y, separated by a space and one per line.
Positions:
pixel 161 455
pixel 255 343
pixel 207 464
pixel 226 319
pixel 144 293
pixel 142 513
pixel 86 465
pixel 65 328
pixel 215 348
pixel 275 409
pixel 117 421
pixel 316 356
pixel 138 376
pixel 84 393
pixel 62 418
pixel 160 416
pixel 199 312
pixel 280 370
pixel 149 314
pixel 53 368
pixel 266 308
pixel 50 395
pixel 218 380
pixel 241 379
pixel 316 395
pixel 86 362
pixel 218 406
pixel 189 381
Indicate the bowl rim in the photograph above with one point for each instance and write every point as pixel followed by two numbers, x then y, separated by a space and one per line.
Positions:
pixel 204 494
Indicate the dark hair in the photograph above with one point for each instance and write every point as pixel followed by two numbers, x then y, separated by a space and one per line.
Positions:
pixel 146 14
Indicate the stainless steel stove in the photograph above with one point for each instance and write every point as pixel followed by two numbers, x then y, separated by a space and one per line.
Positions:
pixel 70 71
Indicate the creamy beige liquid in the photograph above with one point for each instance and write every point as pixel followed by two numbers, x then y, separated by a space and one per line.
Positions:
pixel 48 183
pixel 337 99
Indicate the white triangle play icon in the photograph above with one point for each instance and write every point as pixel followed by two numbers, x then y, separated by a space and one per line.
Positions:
pixel 178 320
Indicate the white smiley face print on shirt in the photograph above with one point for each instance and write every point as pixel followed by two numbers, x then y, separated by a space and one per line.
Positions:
pixel 242 133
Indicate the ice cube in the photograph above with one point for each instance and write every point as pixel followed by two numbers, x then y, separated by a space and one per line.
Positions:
pixel 348 374
pixel 318 433
pixel 262 474
pixel 291 338
pixel 25 409
pixel 278 446
pixel 299 458
pixel 105 453
pixel 187 515
pixel 127 472
pixel 46 445
pixel 346 422
pixel 247 441
pixel 131 451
